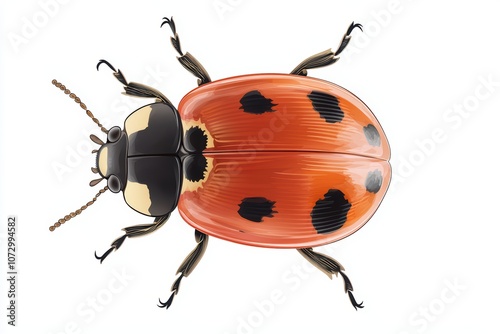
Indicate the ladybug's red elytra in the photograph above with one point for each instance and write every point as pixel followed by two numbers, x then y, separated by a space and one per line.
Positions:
pixel 267 160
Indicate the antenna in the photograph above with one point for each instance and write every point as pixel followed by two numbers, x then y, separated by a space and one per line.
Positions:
pixel 77 212
pixel 96 140
pixel 82 105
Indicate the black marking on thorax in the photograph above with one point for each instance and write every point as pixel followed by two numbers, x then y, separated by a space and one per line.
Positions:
pixel 161 175
pixel 162 135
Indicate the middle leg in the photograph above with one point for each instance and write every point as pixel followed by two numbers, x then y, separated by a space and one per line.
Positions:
pixel 188 61
pixel 188 265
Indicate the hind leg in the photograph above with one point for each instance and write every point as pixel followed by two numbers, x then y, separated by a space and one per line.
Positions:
pixel 326 57
pixel 330 266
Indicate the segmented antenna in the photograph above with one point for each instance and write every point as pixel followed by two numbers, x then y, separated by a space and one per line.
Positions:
pixel 77 212
pixel 82 105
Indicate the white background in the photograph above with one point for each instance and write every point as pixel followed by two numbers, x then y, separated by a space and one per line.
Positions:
pixel 426 262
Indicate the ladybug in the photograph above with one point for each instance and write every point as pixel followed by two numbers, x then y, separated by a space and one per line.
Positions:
pixel 266 160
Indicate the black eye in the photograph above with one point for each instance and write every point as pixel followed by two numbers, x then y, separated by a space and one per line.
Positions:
pixel 114 184
pixel 114 134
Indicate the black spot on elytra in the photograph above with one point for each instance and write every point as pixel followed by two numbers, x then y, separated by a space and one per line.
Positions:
pixel 195 139
pixel 256 208
pixel 330 212
pixel 195 167
pixel 373 181
pixel 327 106
pixel 254 102
pixel 372 135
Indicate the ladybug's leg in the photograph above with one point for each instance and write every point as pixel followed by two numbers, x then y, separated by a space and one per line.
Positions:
pixel 134 231
pixel 188 61
pixel 326 57
pixel 330 266
pixel 188 265
pixel 134 88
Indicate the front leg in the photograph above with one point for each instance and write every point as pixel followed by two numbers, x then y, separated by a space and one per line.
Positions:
pixel 330 266
pixel 134 231
pixel 134 88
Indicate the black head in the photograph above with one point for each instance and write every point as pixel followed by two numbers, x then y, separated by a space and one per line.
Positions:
pixel 141 160
pixel 111 159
